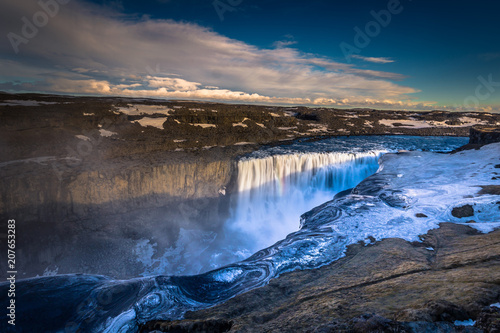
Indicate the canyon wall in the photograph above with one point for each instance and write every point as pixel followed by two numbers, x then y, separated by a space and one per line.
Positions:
pixel 100 218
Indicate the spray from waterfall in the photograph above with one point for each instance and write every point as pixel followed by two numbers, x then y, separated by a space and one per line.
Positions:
pixel 274 191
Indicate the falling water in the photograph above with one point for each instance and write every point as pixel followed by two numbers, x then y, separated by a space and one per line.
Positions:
pixel 382 206
pixel 274 191
pixel 274 187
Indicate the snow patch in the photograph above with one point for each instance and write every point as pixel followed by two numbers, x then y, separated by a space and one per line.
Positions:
pixel 106 133
pixel 83 137
pixel 241 123
pixel 153 122
pixel 205 125
pixel 244 143
pixel 412 123
pixel 141 109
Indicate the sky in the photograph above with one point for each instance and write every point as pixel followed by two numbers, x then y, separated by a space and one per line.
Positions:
pixel 390 54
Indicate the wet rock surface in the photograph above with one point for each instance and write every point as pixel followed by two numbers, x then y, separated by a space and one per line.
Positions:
pixel 463 211
pixel 391 286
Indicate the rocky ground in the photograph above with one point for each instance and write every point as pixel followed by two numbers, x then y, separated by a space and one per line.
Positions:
pixel 448 282
pixel 45 125
pixel 97 156
pixel 391 286
pixel 75 168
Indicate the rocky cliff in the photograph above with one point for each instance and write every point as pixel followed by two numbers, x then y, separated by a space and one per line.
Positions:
pixel 392 286
pixel 121 171
pixel 447 282
pixel 484 135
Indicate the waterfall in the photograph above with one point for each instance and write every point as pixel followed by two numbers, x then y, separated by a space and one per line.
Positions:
pixel 273 191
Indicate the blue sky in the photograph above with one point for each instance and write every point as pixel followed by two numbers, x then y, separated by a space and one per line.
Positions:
pixel 431 55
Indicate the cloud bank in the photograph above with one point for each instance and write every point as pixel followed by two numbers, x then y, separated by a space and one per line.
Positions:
pixel 86 49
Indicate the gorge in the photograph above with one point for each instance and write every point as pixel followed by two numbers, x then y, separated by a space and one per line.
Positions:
pixel 173 230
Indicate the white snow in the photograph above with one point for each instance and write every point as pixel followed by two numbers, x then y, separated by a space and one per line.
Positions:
pixel 436 183
pixel 154 122
pixel 413 123
pixel 142 109
pixel 318 128
pixel 88 114
pixel 106 133
pixel 274 114
pixel 83 137
pixel 205 125
pixel 241 123
pixel 244 143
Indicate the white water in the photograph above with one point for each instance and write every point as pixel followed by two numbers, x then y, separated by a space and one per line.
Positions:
pixel 275 186
pixel 274 191
pixel 384 205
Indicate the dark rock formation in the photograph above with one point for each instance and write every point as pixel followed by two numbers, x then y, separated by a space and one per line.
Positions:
pixel 84 168
pixel 489 319
pixel 391 286
pixel 463 211
pixel 484 135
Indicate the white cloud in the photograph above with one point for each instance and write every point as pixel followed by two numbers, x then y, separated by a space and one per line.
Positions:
pixel 172 83
pixel 105 52
pixel 284 43
pixel 373 59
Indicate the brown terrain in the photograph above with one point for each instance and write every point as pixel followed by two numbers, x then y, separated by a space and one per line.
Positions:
pixel 77 168
pixel 452 275
pixel 391 286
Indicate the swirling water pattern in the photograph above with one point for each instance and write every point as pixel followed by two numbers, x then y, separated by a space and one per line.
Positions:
pixel 383 205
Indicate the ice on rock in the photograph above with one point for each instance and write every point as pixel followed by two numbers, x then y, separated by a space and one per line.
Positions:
pixel 382 206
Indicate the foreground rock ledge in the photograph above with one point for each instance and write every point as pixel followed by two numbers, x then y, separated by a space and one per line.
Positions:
pixel 391 286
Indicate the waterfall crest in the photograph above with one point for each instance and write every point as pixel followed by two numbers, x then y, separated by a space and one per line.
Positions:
pixel 273 191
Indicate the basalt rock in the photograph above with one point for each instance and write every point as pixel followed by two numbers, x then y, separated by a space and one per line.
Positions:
pixel 484 135
pixel 391 286
pixel 463 211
